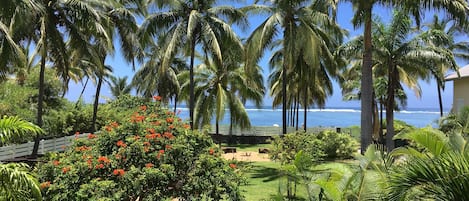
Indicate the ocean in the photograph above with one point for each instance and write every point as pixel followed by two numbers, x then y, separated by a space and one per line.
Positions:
pixel 332 117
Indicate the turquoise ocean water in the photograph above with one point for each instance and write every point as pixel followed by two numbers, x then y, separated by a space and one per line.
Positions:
pixel 333 117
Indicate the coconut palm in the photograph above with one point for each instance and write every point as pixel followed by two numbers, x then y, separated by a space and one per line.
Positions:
pixel 119 86
pixel 308 30
pixel 53 26
pixel 186 24
pixel 456 10
pixel 441 33
pixel 165 83
pixel 17 181
pixel 221 86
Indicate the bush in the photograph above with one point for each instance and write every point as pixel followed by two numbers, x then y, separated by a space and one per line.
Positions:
pixel 151 156
pixel 285 148
pixel 337 145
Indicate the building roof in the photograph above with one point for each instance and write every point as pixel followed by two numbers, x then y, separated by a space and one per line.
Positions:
pixel 463 72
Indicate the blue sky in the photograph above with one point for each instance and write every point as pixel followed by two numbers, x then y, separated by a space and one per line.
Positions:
pixel 429 97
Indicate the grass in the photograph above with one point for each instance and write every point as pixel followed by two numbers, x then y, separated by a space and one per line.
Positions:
pixel 263 180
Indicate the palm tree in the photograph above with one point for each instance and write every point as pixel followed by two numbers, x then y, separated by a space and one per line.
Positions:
pixel 434 169
pixel 456 9
pixel 119 86
pixel 17 181
pixel 441 33
pixel 54 24
pixel 187 24
pixel 309 31
pixel 400 56
pixel 165 83
pixel 221 86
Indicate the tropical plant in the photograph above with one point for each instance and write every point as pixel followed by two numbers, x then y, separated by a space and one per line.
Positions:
pixel 309 34
pixel 187 24
pixel 165 83
pixel 363 17
pixel 17 181
pixel 442 33
pixel 221 86
pixel 434 167
pixel 151 155
pixel 119 86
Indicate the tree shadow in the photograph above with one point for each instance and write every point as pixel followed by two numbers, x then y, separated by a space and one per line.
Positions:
pixel 268 173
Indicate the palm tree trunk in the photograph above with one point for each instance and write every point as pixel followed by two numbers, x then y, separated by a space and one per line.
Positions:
pixel 297 102
pixel 366 86
pixel 96 103
pixel 306 108
pixel 390 109
pixel 438 87
pixel 175 103
pixel 191 84
pixel 82 91
pixel 381 121
pixel 40 100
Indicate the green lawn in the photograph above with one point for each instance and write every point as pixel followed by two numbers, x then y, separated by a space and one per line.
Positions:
pixel 263 180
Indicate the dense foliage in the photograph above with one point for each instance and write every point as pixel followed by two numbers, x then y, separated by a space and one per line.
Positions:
pixel 150 156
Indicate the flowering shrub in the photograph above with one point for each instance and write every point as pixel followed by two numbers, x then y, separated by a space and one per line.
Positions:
pixel 152 156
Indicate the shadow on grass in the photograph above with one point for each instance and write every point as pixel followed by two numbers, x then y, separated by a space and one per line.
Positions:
pixel 268 173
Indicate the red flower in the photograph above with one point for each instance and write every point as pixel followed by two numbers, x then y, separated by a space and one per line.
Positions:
pixel 232 165
pixel 108 128
pixel 211 151
pixel 65 169
pixel 171 126
pixel 168 147
pixel 103 159
pixel 99 166
pixel 83 148
pixel 146 143
pixel 118 156
pixel 89 162
pixel 157 98
pixel 91 136
pixel 149 165
pixel 161 151
pixel 169 120
pixel 151 130
pixel 156 123
pixel 143 107
pixel 168 135
pixel 45 185
pixel 121 143
pixel 187 126
pixel 118 172
pixel 56 162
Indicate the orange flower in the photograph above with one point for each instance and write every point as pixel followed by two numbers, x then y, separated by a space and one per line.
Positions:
pixel 146 143
pixel 151 130
pixel 146 149
pixel 118 156
pixel 211 151
pixel 91 136
pixel 187 126
pixel 114 124
pixel 99 166
pixel 103 159
pixel 149 165
pixel 108 128
pixel 121 143
pixel 45 185
pixel 161 151
pixel 83 148
pixel 168 135
pixel 143 107
pixel 171 126
pixel 89 162
pixel 56 162
pixel 118 172
pixel 156 123
pixel 232 165
pixel 65 170
pixel 169 120
pixel 157 98
pixel 168 147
